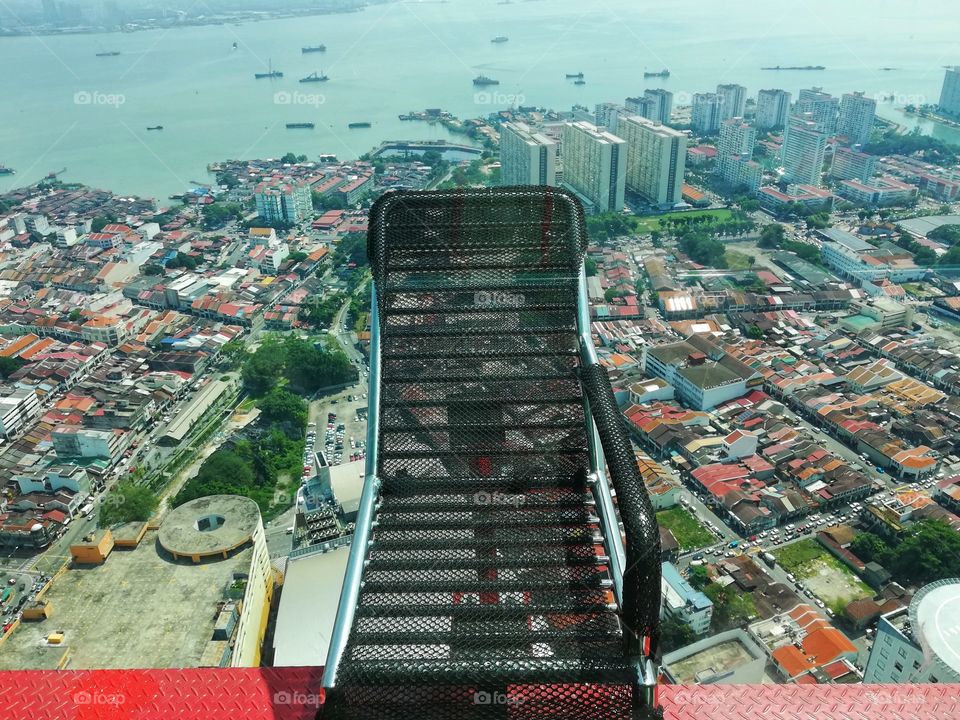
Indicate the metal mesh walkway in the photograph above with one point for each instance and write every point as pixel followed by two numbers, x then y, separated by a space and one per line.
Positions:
pixel 487 590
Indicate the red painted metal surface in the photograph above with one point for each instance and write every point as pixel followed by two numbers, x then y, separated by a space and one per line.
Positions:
pixel 295 694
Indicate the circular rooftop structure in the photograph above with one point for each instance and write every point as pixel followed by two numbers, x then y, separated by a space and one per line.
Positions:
pixel 209 526
pixel 935 620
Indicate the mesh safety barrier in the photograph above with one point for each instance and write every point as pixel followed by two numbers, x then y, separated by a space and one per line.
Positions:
pixel 487 591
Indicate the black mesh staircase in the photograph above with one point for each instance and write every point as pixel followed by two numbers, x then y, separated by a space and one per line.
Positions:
pixel 487 591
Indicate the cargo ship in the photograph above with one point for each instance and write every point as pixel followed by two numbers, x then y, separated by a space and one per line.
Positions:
pixel 500 39
pixel 270 74
pixel 663 73
pixel 484 80
pixel 155 127
pixel 575 76
pixel 300 126
pixel 356 125
pixel 795 67
pixel 313 49
pixel 108 53
pixel 314 77
pixel 581 81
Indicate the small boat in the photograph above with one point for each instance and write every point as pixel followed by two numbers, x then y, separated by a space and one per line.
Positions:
pixel 270 74
pixel 108 53
pixel 300 126
pixel 356 125
pixel 314 77
pixel 575 76
pixel 406 117
pixel 484 80
pixel 313 49
pixel 155 127
pixel 235 45
pixel 500 39
pixel 4 170
pixel 663 73
pixel 581 81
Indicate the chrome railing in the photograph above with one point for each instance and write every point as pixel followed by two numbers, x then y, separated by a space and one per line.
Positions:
pixel 368 506
pixel 599 484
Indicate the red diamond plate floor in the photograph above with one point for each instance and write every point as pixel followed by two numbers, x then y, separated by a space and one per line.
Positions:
pixel 294 694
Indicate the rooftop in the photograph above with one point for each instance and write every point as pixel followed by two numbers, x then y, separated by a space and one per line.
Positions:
pixel 935 614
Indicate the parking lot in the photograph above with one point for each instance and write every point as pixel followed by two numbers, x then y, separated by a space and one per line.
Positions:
pixel 346 412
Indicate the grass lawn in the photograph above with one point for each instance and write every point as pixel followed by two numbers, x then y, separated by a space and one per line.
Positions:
pixel 737 260
pixel 799 555
pixel 689 533
pixel 652 222
pixel 825 576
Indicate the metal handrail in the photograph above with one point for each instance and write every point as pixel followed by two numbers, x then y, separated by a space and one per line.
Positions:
pixel 647 671
pixel 600 485
pixel 350 593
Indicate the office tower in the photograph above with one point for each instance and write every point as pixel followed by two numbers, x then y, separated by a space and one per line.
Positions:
pixel 803 150
pixel 919 643
pixel 594 166
pixel 950 95
pixel 642 106
pixel 608 114
pixel 857 114
pixel 527 157
pixel 663 104
pixel 734 101
pixel 773 109
pixel 852 165
pixel 705 114
pixel 735 153
pixel 656 157
pixel 823 106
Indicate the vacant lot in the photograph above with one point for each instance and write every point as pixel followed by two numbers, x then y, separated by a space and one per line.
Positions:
pixel 825 576
pixel 685 528
pixel 653 222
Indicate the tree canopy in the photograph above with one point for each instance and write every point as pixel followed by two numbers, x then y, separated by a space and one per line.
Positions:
pixel 127 502
pixel 928 550
pixel 306 367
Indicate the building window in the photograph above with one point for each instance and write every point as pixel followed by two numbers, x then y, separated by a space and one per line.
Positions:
pixel 916 664
pixel 898 667
pixel 902 652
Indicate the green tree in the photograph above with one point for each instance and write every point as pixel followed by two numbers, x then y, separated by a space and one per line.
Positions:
pixel 282 408
pixel 329 201
pixel 699 578
pixel 101 221
pixel 127 502
pixel 949 234
pixel 297 256
pixel 772 235
pixel 755 333
pixel 925 256
pixel 9 365
pixel 591 266
pixel 263 369
pixel 675 634
pixel 216 215
pixel 151 269
pixel 75 314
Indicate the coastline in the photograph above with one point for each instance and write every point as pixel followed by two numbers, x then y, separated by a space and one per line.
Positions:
pixel 242 19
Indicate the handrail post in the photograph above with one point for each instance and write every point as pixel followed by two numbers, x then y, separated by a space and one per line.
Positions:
pixel 350 593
